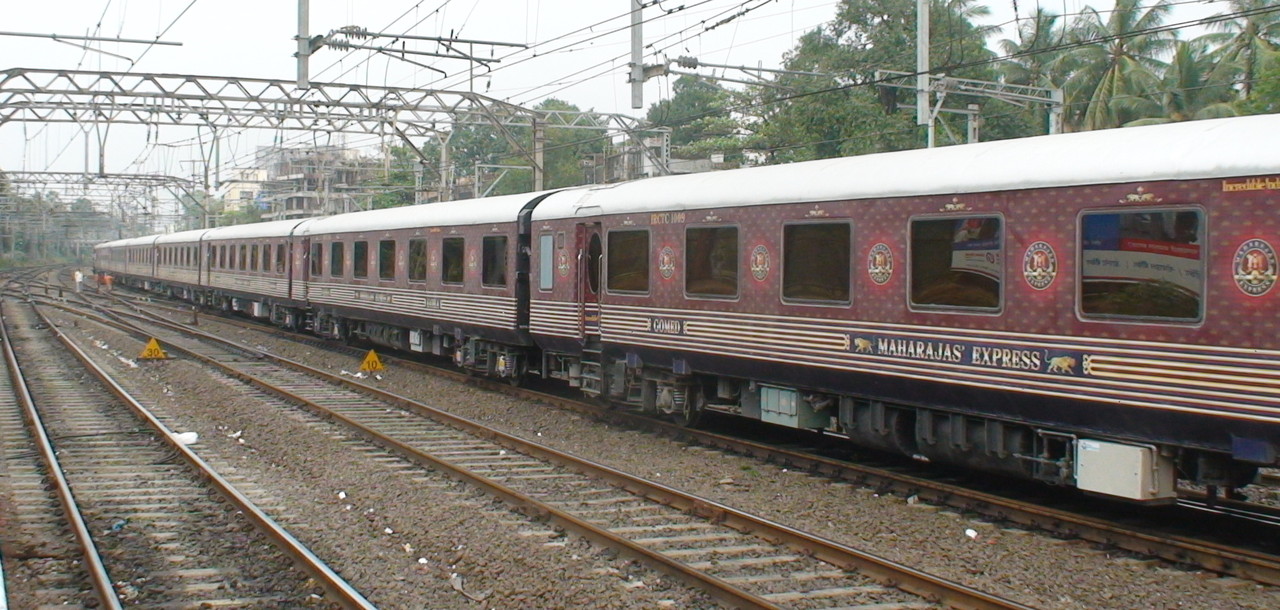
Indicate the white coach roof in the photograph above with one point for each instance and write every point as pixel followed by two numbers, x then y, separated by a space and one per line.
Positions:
pixel 275 228
pixel 181 237
pixel 503 208
pixel 1241 146
pixel 129 241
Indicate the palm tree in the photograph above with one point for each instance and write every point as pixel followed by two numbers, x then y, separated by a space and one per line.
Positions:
pixel 1247 39
pixel 1034 53
pixel 1191 88
pixel 1116 64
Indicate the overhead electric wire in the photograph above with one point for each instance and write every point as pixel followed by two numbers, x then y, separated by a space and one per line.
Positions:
pixel 995 59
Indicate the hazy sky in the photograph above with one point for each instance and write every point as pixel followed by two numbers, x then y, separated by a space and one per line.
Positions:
pixel 579 51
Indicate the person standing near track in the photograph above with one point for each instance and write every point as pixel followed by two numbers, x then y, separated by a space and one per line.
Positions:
pixel 79 277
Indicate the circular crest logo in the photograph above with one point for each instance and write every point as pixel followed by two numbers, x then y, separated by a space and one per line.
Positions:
pixel 880 263
pixel 1255 267
pixel 760 263
pixel 1039 265
pixel 562 262
pixel 667 262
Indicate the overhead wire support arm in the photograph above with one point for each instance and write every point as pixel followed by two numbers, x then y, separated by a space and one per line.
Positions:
pixel 343 45
pixel 94 38
pixel 359 32
pixel 1020 95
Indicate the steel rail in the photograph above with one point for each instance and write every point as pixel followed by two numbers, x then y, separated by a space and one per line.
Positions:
pixel 891 573
pixel 1260 567
pixel 341 591
pixel 94 566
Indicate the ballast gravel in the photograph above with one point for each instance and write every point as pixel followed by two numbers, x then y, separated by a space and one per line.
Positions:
pixel 404 537
pixel 1032 568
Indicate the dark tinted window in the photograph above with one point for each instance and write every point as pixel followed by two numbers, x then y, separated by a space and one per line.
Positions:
pixel 360 259
pixel 815 262
pixel 387 259
pixel 451 255
pixel 628 261
pixel 337 258
pixel 494 268
pixel 280 257
pixel 957 262
pixel 1142 264
pixel 711 261
pixel 417 259
pixel 316 249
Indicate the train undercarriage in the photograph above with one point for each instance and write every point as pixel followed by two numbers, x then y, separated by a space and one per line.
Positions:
pixel 1133 470
pixel 1121 468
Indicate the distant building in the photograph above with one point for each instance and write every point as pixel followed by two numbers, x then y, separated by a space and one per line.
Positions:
pixel 311 181
pixel 242 190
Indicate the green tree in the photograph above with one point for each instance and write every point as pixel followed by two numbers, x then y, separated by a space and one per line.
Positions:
pixel 700 120
pixel 1265 96
pixel 1116 68
pixel 814 117
pixel 563 148
pixel 841 114
pixel 1034 55
pixel 1246 41
pixel 394 187
pixel 1190 88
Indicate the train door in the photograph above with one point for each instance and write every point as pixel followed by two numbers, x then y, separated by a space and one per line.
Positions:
pixel 590 247
pixel 300 266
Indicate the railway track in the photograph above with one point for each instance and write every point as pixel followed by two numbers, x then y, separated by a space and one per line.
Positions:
pixel 148 529
pixel 1085 523
pixel 735 557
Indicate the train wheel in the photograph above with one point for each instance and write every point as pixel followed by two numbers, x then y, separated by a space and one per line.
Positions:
pixel 691 412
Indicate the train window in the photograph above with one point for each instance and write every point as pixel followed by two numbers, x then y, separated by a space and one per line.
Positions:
pixel 387 259
pixel 360 259
pixel 451 252
pixel 316 264
pixel 243 257
pixel 253 258
pixel 417 259
pixel 711 261
pixel 280 257
pixel 628 261
pixel 816 262
pixel 222 257
pixel 957 262
pixel 546 261
pixel 266 257
pixel 493 270
pixel 1142 264
pixel 336 258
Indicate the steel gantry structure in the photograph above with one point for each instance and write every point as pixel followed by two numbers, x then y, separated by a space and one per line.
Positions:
pixel 119 191
pixel 85 97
